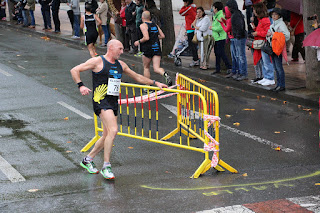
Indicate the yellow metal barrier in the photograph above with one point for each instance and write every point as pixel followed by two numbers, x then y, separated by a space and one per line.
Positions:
pixel 191 96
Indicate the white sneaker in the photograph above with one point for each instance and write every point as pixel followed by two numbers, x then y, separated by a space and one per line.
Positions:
pixel 75 37
pixel 261 81
pixel 107 173
pixel 268 82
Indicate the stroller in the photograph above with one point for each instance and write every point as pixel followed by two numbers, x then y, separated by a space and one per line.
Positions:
pixel 180 47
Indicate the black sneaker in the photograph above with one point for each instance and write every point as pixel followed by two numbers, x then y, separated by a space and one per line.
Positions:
pixel 168 79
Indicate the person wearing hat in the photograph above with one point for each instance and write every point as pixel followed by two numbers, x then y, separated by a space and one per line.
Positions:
pixel 278 25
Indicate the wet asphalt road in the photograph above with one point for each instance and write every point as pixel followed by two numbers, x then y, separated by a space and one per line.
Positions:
pixel 45 148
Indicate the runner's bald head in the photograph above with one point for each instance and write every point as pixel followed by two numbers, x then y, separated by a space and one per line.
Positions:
pixel 146 15
pixel 113 43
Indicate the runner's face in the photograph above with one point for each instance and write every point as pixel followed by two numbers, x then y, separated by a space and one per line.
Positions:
pixel 117 51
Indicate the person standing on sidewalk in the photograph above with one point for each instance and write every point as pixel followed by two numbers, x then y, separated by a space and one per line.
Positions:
pixel 125 37
pixel 150 46
pixel 107 71
pixel 278 25
pixel 189 11
pixel 240 37
pixel 45 10
pixel 55 7
pixel 260 33
pixel 75 5
pixel 131 25
pixel 296 22
pixel 102 12
pixel 32 6
pixel 89 22
pixel 220 37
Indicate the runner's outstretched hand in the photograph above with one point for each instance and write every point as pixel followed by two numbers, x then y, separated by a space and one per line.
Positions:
pixel 85 90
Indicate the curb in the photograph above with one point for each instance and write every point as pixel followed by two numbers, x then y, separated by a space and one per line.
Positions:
pixel 168 65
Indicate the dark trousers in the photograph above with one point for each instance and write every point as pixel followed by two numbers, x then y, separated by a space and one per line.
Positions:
pixel 56 21
pixel 249 12
pixel 297 47
pixel 71 17
pixel 220 54
pixel 125 38
pixel 46 18
pixel 132 33
pixel 192 46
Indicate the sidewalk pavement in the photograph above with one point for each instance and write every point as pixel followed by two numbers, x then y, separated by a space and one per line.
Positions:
pixel 295 72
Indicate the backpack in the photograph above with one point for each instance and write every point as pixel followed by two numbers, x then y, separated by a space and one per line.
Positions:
pixel 278 43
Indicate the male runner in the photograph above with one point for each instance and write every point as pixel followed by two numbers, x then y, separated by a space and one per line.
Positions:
pixel 150 46
pixel 107 71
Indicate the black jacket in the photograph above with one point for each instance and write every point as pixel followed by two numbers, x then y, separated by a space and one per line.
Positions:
pixel 237 20
pixel 130 19
pixel 45 4
pixel 55 5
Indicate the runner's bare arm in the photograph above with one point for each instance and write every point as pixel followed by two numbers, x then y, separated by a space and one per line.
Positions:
pixel 144 30
pixel 75 73
pixel 140 78
pixel 161 34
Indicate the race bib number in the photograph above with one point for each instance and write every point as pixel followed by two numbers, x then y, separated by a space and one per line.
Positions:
pixel 113 86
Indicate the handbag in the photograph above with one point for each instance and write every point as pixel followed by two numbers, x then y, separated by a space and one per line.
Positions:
pixel 249 42
pixel 267 48
pixel 27 7
pixel 258 44
pixel 195 39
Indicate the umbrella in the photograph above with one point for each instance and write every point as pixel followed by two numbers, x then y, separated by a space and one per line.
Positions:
pixel 313 39
pixel 292 5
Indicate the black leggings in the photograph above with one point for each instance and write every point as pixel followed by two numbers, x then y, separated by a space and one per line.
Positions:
pixel 193 47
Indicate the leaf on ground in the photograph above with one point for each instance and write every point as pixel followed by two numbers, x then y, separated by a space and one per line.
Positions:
pixel 33 190
pixel 236 124
pixel 258 97
pixel 69 142
pixel 273 99
pixel 317 184
pixel 307 109
pixel 55 88
pixel 18 55
pixel 310 113
pixel 66 118
pixel 227 87
pixel 262 96
pixel 278 148
pixel 249 109
pixel 133 65
pixel 299 106
pixel 277 132
pixel 130 147
pixel 228 116
pixel 201 80
pixel 245 175
pixel 68 151
pixel 284 102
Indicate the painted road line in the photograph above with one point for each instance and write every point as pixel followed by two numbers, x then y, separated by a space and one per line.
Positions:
pixel 21 67
pixel 173 109
pixel 12 174
pixel 5 73
pixel 312 203
pixel 229 209
pixel 75 110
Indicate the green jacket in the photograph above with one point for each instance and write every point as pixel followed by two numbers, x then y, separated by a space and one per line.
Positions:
pixel 32 4
pixel 217 31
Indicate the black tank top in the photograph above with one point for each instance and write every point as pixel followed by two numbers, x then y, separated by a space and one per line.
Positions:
pixel 90 23
pixel 153 42
pixel 100 82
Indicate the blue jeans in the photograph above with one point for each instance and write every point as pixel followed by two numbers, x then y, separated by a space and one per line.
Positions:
pixel 235 65
pixel 25 18
pixel 76 25
pixel 241 58
pixel 33 22
pixel 277 64
pixel 105 29
pixel 267 67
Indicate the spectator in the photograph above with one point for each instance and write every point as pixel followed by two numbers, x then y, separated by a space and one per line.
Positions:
pixel 189 11
pixel 89 22
pixel 131 25
pixel 201 25
pixel 32 6
pixel 247 5
pixel 17 13
pixel 102 12
pixel 25 13
pixel 45 10
pixel 138 14
pixel 76 18
pixel 125 37
pixel 239 33
pixel 261 30
pixel 70 13
pixel 3 10
pixel 278 25
pixel 220 37
pixel 154 11
pixel 93 3
pixel 296 22
pixel 55 6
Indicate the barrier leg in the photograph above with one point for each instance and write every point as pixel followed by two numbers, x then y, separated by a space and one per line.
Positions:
pixel 202 168
pixel 88 146
pixel 227 166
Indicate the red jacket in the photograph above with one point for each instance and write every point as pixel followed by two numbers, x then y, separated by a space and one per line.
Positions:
pixel 189 12
pixel 262 30
pixel 226 25
pixel 294 18
pixel 123 16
